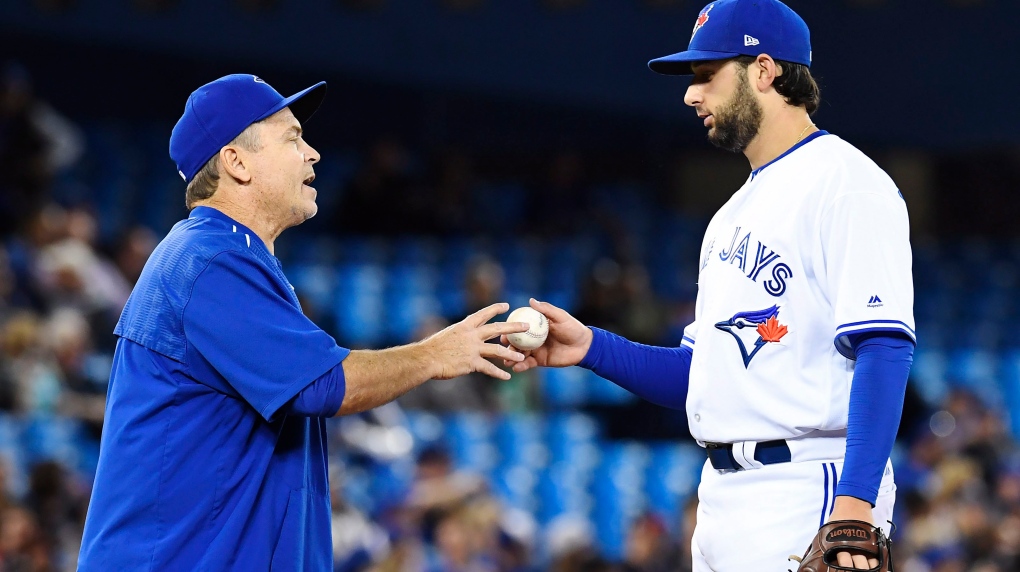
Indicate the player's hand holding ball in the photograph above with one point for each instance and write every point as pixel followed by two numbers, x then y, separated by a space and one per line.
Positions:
pixel 565 343
pixel 537 332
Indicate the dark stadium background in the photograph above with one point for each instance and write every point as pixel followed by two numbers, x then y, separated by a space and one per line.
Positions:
pixel 476 150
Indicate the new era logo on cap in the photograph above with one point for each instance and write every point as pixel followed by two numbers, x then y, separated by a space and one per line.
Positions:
pixel 750 40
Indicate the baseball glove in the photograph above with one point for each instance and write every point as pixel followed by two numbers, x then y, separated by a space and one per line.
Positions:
pixel 853 536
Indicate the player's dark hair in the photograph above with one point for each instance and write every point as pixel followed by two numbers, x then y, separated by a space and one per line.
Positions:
pixel 796 84
pixel 203 184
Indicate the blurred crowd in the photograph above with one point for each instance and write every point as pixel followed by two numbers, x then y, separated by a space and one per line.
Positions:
pixel 62 288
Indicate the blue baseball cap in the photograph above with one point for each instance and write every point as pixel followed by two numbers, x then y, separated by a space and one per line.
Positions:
pixel 220 110
pixel 730 28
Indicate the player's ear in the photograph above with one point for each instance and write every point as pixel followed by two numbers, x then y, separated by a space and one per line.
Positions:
pixel 765 70
pixel 232 160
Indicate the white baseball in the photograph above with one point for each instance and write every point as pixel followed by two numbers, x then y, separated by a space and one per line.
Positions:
pixel 536 334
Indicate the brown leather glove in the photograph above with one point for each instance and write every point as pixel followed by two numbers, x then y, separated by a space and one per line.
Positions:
pixel 853 536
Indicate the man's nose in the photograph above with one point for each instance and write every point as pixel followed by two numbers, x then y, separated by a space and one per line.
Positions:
pixel 311 155
pixel 693 96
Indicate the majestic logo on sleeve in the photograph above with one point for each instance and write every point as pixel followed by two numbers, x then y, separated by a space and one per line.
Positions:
pixel 761 326
pixel 702 19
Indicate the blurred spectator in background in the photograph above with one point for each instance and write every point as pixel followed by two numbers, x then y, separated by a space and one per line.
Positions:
pixel 82 392
pixel 642 314
pixel 601 294
pixel 35 143
pixel 650 547
pixel 132 251
pixel 60 508
pixel 72 274
pixel 570 545
pixel 22 548
pixel 358 542
pixel 437 486
pixel 484 280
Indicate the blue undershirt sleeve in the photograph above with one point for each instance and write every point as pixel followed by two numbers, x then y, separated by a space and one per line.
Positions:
pixel 657 374
pixel 321 398
pixel 876 404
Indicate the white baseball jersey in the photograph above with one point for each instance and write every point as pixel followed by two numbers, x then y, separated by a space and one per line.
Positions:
pixel 813 247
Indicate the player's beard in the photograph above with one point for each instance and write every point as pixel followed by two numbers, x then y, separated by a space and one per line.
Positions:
pixel 737 124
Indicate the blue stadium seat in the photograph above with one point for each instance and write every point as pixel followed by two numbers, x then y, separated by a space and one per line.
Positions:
pixel 426 428
pixel 573 438
pixel 563 387
pixel 470 440
pixel 315 283
pixel 1010 371
pixel 977 371
pixel 358 308
pixel 673 476
pixel 515 485
pixel 604 392
pixel 416 250
pixel 410 299
pixel 47 437
pixel 562 489
pixel 929 374
pixel 519 439
pixel 619 492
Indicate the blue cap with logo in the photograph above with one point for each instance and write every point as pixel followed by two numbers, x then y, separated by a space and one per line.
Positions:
pixel 220 110
pixel 730 28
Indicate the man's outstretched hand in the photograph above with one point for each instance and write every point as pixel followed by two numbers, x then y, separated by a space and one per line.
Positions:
pixel 567 343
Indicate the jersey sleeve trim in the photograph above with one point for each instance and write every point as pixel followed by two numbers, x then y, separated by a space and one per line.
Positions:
pixel 853 327
pixel 842 340
pixel 687 341
pixel 336 355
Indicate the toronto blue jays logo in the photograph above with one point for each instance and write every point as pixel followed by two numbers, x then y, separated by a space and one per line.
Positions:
pixel 702 19
pixel 765 324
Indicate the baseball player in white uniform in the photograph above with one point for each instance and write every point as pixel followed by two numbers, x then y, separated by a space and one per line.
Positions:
pixel 794 370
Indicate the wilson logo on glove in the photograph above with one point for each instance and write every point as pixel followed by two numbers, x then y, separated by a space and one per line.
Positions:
pixel 848 533
pixel 851 536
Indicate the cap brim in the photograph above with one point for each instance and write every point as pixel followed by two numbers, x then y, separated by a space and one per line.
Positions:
pixel 680 63
pixel 302 104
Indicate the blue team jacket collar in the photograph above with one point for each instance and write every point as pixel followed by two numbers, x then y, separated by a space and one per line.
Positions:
pixel 210 212
pixel 799 144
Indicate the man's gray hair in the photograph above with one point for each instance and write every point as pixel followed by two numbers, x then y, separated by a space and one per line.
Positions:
pixel 204 184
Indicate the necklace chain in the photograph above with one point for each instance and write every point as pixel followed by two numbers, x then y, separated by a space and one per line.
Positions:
pixel 809 126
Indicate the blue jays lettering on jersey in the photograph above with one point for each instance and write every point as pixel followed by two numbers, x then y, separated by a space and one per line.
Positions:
pixel 739 255
pixel 198 467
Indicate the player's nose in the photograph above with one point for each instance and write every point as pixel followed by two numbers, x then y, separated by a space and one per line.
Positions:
pixel 693 96
pixel 311 155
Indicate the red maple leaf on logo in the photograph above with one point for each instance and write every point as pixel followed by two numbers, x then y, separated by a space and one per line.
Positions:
pixel 702 19
pixel 771 330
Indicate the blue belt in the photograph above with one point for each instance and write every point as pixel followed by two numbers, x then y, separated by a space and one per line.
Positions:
pixel 766 453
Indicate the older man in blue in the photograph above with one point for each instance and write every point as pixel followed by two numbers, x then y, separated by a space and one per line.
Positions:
pixel 214 450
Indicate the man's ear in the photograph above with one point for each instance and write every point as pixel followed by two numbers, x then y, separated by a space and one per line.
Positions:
pixel 764 72
pixel 233 161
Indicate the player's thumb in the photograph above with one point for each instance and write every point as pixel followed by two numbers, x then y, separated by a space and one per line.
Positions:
pixel 552 312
